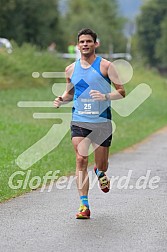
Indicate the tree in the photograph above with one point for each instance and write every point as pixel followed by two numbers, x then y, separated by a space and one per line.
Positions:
pixel 29 21
pixel 150 30
pixel 161 45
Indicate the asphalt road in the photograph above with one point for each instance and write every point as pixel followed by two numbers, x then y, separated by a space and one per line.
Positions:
pixel 132 217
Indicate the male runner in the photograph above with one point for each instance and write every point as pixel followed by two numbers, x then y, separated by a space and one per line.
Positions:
pixel 89 86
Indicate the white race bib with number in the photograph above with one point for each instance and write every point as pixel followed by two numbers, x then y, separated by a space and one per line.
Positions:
pixel 88 106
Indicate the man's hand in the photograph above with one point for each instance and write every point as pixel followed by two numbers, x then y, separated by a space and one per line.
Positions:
pixel 58 102
pixel 96 95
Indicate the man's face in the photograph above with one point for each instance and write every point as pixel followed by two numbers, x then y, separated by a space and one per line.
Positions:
pixel 86 45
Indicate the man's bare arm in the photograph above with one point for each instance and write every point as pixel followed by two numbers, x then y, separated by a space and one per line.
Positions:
pixel 68 94
pixel 119 91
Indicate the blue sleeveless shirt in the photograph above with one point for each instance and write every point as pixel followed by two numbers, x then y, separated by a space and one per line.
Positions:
pixel 85 109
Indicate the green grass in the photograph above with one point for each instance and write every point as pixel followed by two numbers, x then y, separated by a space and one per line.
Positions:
pixel 16 69
pixel 18 129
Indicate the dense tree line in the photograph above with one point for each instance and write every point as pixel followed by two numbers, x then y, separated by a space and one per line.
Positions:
pixel 41 22
pixel 152 33
pixel 29 21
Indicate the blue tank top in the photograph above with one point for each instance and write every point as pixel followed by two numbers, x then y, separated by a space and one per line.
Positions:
pixel 85 109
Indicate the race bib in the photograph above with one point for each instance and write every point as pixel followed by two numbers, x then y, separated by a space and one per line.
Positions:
pixel 88 106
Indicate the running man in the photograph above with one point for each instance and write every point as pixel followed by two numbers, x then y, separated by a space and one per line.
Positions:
pixel 89 86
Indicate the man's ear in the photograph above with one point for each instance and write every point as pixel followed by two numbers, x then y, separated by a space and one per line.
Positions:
pixel 96 44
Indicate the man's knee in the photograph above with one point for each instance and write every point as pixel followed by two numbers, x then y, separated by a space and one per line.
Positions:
pixel 81 162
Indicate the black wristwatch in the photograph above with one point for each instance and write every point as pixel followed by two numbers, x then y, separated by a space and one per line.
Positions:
pixel 107 97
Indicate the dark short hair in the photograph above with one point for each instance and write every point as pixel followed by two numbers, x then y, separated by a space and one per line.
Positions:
pixel 87 31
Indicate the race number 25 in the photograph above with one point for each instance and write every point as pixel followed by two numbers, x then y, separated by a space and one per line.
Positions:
pixel 87 106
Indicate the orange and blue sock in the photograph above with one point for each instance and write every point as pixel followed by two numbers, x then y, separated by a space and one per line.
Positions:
pixel 84 200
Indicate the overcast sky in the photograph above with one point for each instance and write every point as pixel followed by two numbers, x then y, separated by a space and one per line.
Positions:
pixel 129 8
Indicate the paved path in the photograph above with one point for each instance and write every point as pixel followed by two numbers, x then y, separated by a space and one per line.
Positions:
pixel 122 220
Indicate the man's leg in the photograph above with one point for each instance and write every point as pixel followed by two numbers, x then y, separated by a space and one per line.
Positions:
pixel 82 176
pixel 101 165
pixel 81 167
pixel 101 158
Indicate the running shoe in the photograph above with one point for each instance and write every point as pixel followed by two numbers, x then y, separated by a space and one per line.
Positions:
pixel 104 181
pixel 84 212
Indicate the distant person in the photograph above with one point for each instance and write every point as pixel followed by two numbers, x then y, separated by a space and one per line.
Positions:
pixel 71 48
pixel 52 47
pixel 89 86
